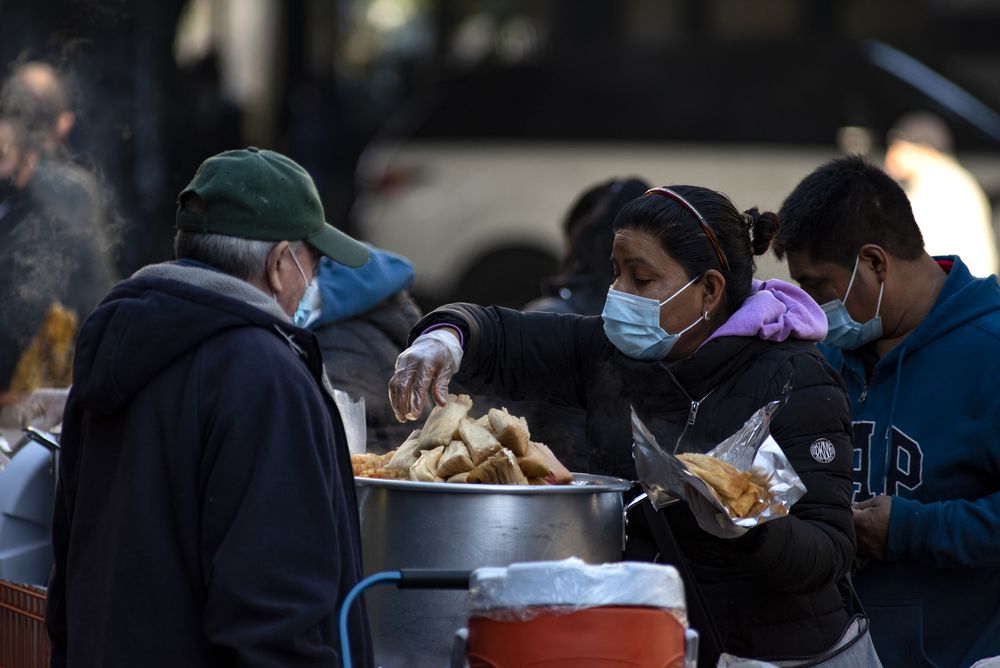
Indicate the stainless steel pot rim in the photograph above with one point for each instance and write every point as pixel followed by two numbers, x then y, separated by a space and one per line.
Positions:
pixel 583 483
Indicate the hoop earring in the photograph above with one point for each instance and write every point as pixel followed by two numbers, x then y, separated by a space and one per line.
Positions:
pixel 707 315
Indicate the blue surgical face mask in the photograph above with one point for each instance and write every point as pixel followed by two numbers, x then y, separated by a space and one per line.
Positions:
pixel 304 310
pixel 303 314
pixel 632 324
pixel 845 332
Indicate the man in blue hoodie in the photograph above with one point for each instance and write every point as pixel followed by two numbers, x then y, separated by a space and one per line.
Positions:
pixel 917 340
pixel 205 512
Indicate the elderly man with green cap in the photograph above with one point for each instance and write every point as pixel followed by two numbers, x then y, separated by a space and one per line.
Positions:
pixel 205 512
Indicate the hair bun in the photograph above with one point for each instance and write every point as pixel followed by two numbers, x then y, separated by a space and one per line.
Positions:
pixel 762 228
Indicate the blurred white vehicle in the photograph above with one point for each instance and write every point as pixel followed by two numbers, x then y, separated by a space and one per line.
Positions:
pixel 473 185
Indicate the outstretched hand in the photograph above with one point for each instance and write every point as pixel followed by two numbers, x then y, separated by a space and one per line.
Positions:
pixel 427 365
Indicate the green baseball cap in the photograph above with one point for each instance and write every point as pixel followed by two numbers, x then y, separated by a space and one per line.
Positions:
pixel 258 194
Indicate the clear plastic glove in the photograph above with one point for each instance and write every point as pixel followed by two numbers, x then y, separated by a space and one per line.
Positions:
pixel 428 364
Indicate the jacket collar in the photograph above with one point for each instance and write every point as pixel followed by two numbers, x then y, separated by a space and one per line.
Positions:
pixel 693 378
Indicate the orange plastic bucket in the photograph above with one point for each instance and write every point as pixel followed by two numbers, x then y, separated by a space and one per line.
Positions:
pixel 601 637
pixel 570 614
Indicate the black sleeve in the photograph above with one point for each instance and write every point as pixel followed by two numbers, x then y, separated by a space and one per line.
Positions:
pixel 815 545
pixel 536 356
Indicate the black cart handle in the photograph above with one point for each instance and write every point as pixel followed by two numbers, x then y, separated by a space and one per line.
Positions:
pixel 433 578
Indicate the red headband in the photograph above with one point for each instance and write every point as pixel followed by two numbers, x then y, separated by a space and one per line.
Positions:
pixel 712 239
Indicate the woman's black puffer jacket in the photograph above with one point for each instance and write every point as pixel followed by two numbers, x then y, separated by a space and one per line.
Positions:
pixel 774 592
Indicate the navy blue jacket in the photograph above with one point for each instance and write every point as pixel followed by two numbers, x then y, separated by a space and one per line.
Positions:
pixel 205 512
pixel 927 431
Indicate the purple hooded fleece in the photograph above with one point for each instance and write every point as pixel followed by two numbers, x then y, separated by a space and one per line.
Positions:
pixel 775 311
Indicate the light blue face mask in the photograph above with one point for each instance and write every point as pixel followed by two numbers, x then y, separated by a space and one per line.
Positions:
pixel 845 332
pixel 304 310
pixel 632 324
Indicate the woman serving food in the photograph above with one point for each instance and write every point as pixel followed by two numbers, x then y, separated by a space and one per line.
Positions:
pixel 696 345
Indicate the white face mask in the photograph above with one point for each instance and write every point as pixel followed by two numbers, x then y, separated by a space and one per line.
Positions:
pixel 632 324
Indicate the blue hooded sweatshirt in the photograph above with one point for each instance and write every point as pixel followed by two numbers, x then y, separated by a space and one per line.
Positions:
pixel 927 431
pixel 345 292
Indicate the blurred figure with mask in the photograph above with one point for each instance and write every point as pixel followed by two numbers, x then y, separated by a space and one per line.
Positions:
pixel 55 257
pixel 949 205
pixel 38 96
pixel 54 266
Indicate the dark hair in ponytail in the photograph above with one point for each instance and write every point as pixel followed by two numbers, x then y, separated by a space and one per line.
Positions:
pixel 763 227
pixel 740 236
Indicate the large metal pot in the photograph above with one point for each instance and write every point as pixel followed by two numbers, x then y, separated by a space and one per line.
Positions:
pixel 456 526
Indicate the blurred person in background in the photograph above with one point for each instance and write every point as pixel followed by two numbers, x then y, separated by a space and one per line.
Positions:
pixel 55 259
pixel 585 271
pixel 205 511
pixel 948 203
pixel 362 318
pixel 580 287
pixel 39 96
pixel 917 342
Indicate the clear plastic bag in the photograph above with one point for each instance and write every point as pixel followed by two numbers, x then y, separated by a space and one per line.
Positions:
pixel 352 414
pixel 524 591
pixel 752 448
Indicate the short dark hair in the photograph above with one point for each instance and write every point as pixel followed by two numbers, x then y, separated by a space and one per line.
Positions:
pixel 741 236
pixel 843 205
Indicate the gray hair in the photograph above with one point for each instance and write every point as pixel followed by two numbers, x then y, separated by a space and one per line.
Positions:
pixel 245 259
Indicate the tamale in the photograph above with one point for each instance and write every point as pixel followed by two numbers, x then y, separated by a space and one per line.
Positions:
pixel 534 463
pixel 499 469
pixel 725 478
pixel 442 424
pixel 481 442
pixel 454 460
pixel 425 468
pixel 558 474
pixel 406 455
pixel 511 431
pixel 744 503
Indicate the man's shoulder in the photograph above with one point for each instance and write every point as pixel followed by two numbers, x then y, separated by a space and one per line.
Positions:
pixel 273 368
pixel 255 348
pixel 988 324
pixel 979 330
